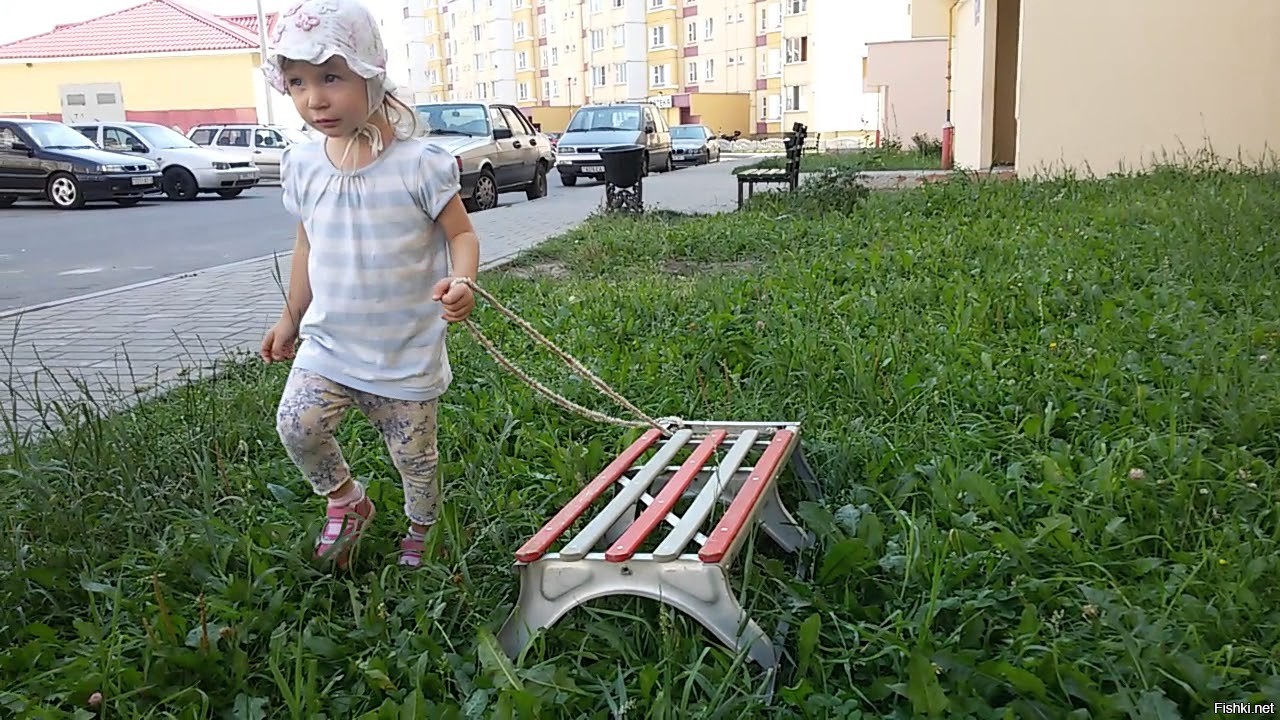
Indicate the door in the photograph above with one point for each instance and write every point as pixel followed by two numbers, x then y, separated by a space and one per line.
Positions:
pixel 91 102
pixel 524 142
pixel 19 172
pixel 268 148
pixel 507 167
pixel 122 141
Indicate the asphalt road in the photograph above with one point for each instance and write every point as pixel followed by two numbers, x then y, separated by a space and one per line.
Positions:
pixel 48 254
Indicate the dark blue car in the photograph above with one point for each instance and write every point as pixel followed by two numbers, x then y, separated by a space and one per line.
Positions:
pixel 47 160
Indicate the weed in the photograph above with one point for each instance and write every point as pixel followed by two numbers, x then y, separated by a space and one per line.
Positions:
pixel 1047 417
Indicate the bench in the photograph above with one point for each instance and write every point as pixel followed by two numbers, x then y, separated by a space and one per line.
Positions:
pixel 788 175
pixel 618 552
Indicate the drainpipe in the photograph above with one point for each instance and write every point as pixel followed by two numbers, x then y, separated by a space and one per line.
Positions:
pixel 949 130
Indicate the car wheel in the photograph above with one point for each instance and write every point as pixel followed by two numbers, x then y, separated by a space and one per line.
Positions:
pixel 128 202
pixel 485 195
pixel 64 192
pixel 7 200
pixel 228 194
pixel 670 164
pixel 568 180
pixel 180 184
pixel 538 188
pixel 647 162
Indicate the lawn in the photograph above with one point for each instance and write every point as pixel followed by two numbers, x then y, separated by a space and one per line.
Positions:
pixel 867 159
pixel 1047 417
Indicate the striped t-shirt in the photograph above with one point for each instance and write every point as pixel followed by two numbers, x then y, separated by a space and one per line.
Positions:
pixel 376 251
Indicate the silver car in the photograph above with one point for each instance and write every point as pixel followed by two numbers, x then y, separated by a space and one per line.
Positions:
pixel 264 143
pixel 189 169
pixel 694 145
pixel 498 149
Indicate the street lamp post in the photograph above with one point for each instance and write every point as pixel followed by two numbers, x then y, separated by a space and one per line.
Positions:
pixel 262 56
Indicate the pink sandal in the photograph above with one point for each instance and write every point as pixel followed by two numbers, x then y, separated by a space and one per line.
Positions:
pixel 411 550
pixel 343 526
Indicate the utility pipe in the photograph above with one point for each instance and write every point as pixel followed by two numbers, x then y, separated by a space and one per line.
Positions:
pixel 949 130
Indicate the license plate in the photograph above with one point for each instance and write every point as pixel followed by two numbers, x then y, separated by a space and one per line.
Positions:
pixel 592 168
pixel 142 181
pixel 247 176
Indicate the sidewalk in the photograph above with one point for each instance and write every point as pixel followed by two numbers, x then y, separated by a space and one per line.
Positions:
pixel 121 347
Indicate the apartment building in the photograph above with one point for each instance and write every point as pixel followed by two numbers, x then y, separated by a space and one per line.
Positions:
pixel 747 66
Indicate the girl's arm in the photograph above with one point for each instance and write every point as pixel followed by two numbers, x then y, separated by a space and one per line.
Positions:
pixel 299 298
pixel 464 246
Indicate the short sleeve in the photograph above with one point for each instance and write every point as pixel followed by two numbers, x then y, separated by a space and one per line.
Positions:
pixel 438 179
pixel 289 183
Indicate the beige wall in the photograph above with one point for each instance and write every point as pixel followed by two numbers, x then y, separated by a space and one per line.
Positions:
pixel 929 18
pixel 911 76
pixel 1158 75
pixel 973 79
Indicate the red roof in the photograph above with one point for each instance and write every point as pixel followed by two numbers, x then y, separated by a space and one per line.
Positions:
pixel 251 21
pixel 154 26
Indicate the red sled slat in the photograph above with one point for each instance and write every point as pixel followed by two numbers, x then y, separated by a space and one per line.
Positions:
pixel 740 509
pixel 635 534
pixel 537 545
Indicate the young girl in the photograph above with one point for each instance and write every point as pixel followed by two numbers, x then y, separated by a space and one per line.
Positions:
pixel 370 291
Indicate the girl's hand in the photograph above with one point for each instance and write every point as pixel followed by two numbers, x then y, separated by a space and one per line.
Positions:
pixel 457 298
pixel 279 342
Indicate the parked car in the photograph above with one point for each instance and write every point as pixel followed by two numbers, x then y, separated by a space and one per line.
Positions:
pixel 498 149
pixel 43 159
pixel 265 143
pixel 599 126
pixel 694 145
pixel 188 168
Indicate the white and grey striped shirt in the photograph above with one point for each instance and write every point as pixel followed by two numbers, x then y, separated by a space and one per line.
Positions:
pixel 376 251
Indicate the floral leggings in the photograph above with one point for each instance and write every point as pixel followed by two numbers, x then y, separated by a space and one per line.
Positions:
pixel 311 408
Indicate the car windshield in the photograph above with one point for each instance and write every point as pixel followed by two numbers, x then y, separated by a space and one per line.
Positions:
pixel 687 132
pixel 162 138
pixel 605 118
pixel 454 119
pixel 56 136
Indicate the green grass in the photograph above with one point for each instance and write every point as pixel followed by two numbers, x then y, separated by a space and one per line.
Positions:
pixel 870 159
pixel 1047 417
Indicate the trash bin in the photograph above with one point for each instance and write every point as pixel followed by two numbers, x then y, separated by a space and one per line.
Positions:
pixel 623 164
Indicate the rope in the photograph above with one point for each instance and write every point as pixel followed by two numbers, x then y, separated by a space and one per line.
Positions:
pixel 662 425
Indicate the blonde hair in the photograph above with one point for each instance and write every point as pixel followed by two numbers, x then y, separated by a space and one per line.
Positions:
pixel 396 111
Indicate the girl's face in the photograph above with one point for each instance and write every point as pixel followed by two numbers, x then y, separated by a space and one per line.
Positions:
pixel 329 97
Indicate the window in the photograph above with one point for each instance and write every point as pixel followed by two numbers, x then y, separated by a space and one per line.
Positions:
pixel 691 32
pixel 106 98
pixel 659 76
pixel 597 40
pixel 795 7
pixel 691 72
pixel 546 57
pixel 709 74
pixel 522 90
pixel 117 139
pixel 618 3
pixel 793 95
pixel 475 32
pixel 797 49
pixel 658 36
pixel 598 76
pixel 709 29
pixel 522 60
pixel 657 4
pixel 620 73
pixel 546 89
pixel 619 35
pixel 521 30
pixel 597 5
pixel 75 99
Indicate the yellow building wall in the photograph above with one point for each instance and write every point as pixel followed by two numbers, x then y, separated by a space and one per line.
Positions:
pixel 1158 76
pixel 973 80
pixel 723 112
pixel 153 83
pixel 553 118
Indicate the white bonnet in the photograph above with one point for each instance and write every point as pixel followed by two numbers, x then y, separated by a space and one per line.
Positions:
pixel 313 31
